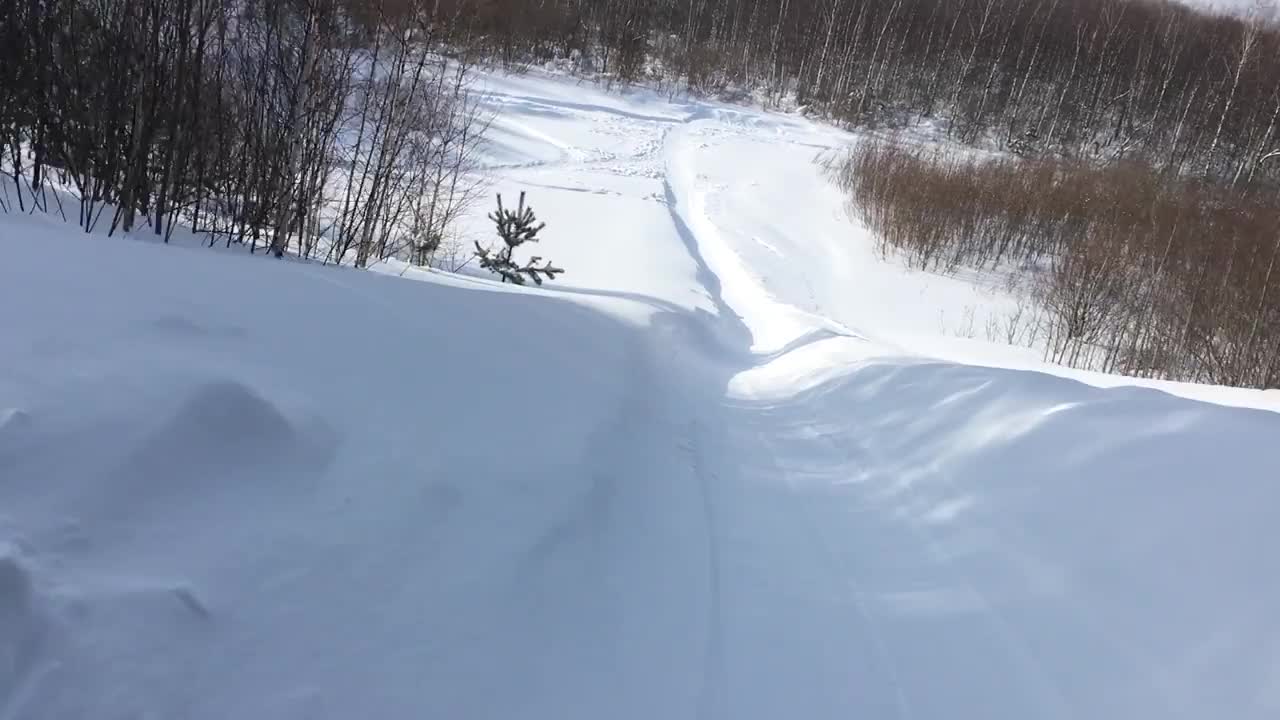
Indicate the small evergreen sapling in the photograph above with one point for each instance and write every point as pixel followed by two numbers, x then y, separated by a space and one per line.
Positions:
pixel 516 228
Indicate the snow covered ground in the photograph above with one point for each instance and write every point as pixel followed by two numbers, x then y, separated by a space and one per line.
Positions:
pixel 733 466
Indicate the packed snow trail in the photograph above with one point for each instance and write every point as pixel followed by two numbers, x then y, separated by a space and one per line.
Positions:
pixel 701 478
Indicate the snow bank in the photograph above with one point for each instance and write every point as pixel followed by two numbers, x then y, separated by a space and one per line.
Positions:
pixel 235 487
pixel 1029 546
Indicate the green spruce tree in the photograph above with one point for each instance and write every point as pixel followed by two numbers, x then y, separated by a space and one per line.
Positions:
pixel 516 228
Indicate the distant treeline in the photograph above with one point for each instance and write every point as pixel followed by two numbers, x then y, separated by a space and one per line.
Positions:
pixel 1098 79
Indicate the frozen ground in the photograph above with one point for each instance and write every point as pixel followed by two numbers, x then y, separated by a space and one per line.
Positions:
pixel 730 467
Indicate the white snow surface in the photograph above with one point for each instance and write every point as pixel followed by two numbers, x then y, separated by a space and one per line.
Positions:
pixel 733 465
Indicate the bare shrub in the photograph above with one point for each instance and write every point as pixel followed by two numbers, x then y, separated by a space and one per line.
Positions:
pixel 1139 272
pixel 325 128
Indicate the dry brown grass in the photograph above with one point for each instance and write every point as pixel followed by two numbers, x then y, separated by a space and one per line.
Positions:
pixel 1140 273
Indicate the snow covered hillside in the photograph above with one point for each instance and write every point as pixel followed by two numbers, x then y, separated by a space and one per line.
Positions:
pixel 729 467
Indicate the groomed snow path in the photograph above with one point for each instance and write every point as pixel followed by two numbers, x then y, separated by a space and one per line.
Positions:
pixel 700 479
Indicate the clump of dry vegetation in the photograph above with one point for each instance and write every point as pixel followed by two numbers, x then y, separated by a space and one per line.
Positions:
pixel 1139 272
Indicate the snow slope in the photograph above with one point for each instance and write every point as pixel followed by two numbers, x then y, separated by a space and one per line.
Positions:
pixel 719 472
pixel 611 172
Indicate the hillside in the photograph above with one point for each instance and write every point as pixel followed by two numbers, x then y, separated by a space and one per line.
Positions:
pixel 731 466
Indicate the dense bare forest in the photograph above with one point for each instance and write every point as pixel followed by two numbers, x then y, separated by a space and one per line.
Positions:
pixel 159 103
pixel 231 111
pixel 1101 79
pixel 1128 270
pixel 273 124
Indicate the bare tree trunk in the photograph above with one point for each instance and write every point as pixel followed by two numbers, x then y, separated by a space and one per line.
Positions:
pixel 299 100
pixel 1247 41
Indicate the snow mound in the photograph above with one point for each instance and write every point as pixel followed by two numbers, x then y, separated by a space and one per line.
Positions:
pixel 221 427
pixel 15 426
pixel 1097 548
pixel 13 421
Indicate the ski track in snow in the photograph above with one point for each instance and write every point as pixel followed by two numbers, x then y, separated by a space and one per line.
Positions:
pixel 738 488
